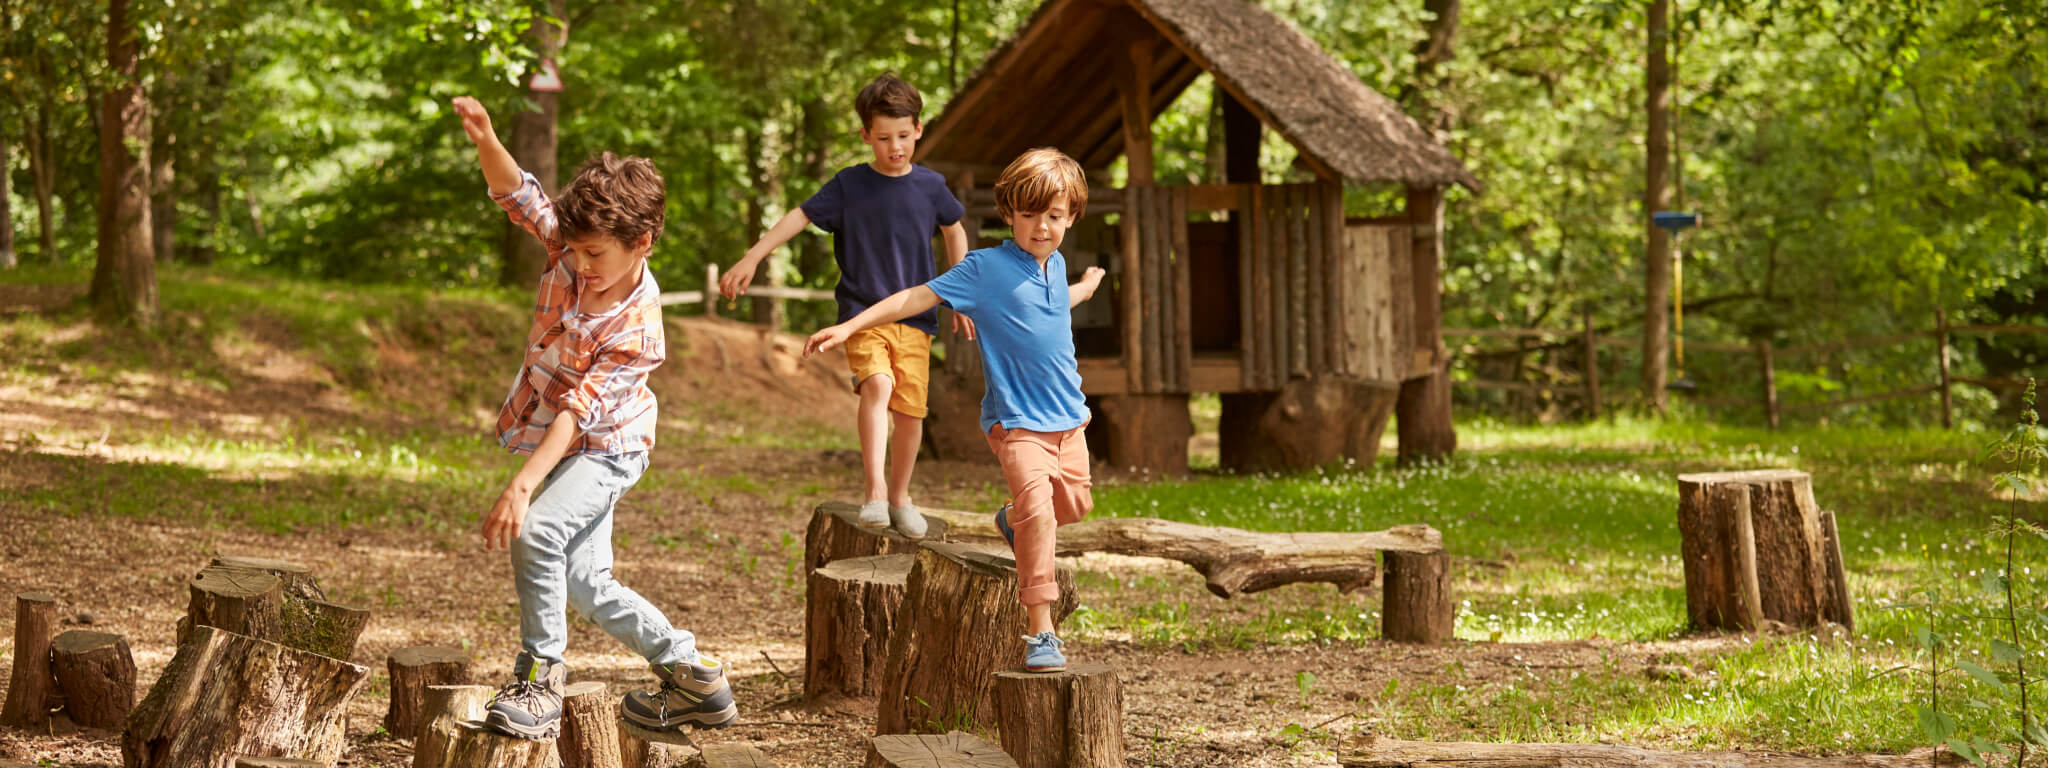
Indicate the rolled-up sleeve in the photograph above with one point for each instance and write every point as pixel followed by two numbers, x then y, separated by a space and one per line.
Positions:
pixel 531 210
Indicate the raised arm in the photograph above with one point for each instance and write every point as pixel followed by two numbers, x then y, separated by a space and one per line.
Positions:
pixel 1085 290
pixel 500 170
pixel 899 305
pixel 735 281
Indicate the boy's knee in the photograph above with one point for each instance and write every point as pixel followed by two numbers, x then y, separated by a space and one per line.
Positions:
pixel 879 385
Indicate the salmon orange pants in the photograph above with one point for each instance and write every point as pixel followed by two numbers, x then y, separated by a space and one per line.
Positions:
pixel 1048 477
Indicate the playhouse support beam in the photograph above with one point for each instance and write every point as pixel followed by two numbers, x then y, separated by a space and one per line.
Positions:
pixel 1423 413
pixel 1134 96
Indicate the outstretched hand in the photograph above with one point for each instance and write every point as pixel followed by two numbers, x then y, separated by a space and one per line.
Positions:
pixel 735 281
pixel 502 525
pixel 1092 275
pixel 475 121
pixel 826 339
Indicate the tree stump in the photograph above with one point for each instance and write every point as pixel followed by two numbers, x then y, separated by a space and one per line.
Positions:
pixel 475 746
pixel 732 756
pixel 642 748
pixel 443 707
pixel 225 695
pixel 97 674
pixel 1382 752
pixel 590 727
pixel 1070 719
pixel 278 762
pixel 1145 433
pixel 272 600
pixel 952 421
pixel 850 611
pixel 1415 599
pixel 835 534
pixel 31 689
pixel 952 750
pixel 960 622
pixel 412 671
pixel 1757 547
pixel 244 602
pixel 1309 423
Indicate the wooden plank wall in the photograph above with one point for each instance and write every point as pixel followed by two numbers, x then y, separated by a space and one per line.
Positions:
pixel 1158 218
pixel 1293 289
pixel 1378 314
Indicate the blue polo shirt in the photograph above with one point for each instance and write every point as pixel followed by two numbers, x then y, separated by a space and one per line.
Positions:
pixel 882 230
pixel 1026 330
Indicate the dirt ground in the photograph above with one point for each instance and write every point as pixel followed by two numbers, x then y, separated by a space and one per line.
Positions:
pixel 125 575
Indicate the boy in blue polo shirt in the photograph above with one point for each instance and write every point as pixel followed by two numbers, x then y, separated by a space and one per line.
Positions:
pixel 1033 413
pixel 881 215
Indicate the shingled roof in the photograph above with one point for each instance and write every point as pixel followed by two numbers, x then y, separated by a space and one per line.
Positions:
pixel 1055 84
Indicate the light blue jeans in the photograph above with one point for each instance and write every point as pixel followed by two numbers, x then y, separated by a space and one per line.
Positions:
pixel 563 557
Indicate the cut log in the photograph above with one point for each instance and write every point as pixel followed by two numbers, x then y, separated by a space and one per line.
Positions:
pixel 1309 423
pixel 1395 753
pixel 440 711
pixel 1796 575
pixel 298 579
pixel 952 750
pixel 324 628
pixel 960 622
pixel 245 602
pixel 850 611
pixel 835 534
pixel 1145 433
pixel 1236 561
pixel 31 689
pixel 226 694
pixel 642 748
pixel 278 762
pixel 478 747
pixel 1070 719
pixel 412 671
pixel 97 674
pixel 590 727
pixel 732 756
pixel 1416 604
pixel 272 600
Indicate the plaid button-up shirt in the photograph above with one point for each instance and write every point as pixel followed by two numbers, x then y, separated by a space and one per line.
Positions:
pixel 593 367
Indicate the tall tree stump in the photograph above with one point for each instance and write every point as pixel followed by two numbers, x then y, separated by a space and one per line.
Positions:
pixel 225 695
pixel 31 689
pixel 590 727
pixel 443 708
pixel 272 600
pixel 1416 604
pixel 642 748
pixel 97 674
pixel 412 671
pixel 478 747
pixel 835 534
pixel 850 611
pixel 1070 719
pixel 732 756
pixel 951 750
pixel 1309 423
pixel 960 622
pixel 1756 546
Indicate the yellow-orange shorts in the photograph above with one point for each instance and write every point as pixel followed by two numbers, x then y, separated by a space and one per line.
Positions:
pixel 902 352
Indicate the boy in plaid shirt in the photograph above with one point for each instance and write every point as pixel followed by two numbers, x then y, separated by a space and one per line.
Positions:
pixel 581 412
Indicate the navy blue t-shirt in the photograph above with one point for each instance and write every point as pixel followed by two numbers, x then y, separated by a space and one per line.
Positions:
pixel 882 230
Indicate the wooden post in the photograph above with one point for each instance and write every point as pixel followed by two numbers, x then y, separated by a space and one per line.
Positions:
pixel 1135 92
pixel 642 748
pixel 1796 582
pixel 31 688
pixel 1770 368
pixel 1069 719
pixel 1423 413
pixel 711 289
pixel 850 611
pixel 1590 347
pixel 1416 603
pixel 228 694
pixel 590 727
pixel 952 750
pixel 1941 340
pixel 412 671
pixel 835 534
pixel 97 674
pixel 443 707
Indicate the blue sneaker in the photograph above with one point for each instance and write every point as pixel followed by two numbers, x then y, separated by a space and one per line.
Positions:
pixel 1042 653
pixel 1003 524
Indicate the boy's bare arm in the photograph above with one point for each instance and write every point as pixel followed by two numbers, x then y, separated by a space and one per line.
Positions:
pixel 1085 290
pixel 899 305
pixel 501 527
pixel 956 251
pixel 500 170
pixel 736 280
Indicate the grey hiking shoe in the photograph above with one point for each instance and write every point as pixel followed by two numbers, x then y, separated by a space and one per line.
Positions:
pixel 530 707
pixel 692 694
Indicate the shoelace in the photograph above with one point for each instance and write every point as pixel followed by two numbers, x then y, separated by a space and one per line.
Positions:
pixel 1049 638
pixel 524 693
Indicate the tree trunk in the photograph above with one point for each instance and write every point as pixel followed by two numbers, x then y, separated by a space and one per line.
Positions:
pixel 7 257
pixel 444 706
pixel 272 600
pixel 1656 197
pixel 1757 547
pixel 1146 433
pixel 590 727
pixel 1381 752
pixel 766 311
pixel 206 187
pixel 97 674
pixel 732 756
pixel 850 612
pixel 124 276
pixel 952 750
pixel 1423 412
pixel 534 141
pixel 31 690
pixel 478 747
pixel 960 622
pixel 1236 561
pixel 225 695
pixel 1416 603
pixel 412 671
pixel 835 534
pixel 1310 423
pixel 1436 48
pixel 1070 719
pixel 163 178
pixel 45 179
pixel 642 748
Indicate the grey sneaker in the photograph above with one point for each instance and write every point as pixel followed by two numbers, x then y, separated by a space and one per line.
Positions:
pixel 874 514
pixel 693 694
pixel 907 521
pixel 529 707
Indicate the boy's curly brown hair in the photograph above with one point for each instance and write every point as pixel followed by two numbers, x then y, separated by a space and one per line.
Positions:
pixel 1037 179
pixel 887 96
pixel 620 197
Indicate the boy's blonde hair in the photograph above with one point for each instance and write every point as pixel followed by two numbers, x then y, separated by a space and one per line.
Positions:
pixel 1039 178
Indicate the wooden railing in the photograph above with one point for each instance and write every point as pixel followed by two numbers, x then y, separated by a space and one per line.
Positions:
pixel 774 293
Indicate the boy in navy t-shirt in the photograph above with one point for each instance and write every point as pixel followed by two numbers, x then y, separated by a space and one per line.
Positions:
pixel 881 215
pixel 1033 413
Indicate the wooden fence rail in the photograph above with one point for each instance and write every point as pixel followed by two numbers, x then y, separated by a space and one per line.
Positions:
pixel 709 296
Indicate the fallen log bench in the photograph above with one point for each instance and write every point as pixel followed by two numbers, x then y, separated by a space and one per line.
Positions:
pixel 1382 752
